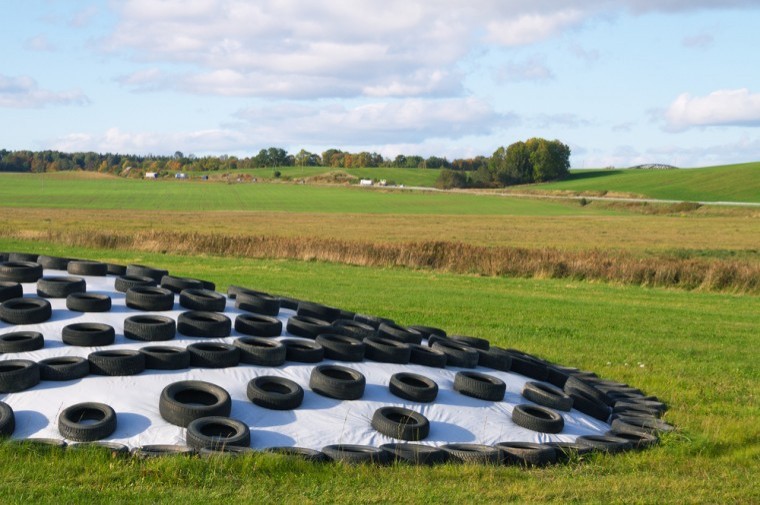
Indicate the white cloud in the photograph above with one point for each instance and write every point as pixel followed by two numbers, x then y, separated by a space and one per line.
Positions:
pixel 533 68
pixel 393 122
pixel 115 140
pixel 23 92
pixel 38 43
pixel 306 49
pixel 728 107
pixel 698 41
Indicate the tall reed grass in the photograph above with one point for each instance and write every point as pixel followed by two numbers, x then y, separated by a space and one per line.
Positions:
pixel 708 274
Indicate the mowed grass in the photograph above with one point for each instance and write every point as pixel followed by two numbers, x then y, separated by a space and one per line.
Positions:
pixel 73 191
pixel 729 183
pixel 695 351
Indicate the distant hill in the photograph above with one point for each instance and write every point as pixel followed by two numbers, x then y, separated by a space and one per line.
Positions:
pixel 729 183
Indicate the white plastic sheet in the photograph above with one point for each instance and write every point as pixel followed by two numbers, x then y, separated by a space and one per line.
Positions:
pixel 319 421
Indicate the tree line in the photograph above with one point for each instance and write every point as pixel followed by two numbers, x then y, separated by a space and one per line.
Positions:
pixel 530 161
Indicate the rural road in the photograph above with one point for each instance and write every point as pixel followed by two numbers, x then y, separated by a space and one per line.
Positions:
pixel 573 197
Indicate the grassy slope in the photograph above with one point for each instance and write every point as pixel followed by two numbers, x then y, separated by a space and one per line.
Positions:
pixel 406 176
pixel 723 183
pixel 690 349
pixel 69 191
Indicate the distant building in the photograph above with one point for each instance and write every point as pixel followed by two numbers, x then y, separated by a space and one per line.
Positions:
pixel 365 182
pixel 151 175
pixel 180 175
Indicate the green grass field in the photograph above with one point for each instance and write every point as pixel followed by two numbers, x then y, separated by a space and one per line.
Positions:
pixel 730 183
pixel 77 192
pixel 696 351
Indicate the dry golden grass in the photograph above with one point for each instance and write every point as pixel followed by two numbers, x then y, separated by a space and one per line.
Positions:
pixel 726 230
pixel 711 274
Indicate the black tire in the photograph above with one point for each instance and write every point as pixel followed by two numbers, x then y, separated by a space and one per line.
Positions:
pixel 10 290
pixel 457 354
pixel 422 355
pixel 19 256
pixel 83 267
pixel 261 351
pixel 373 321
pixel 117 362
pixel 150 328
pixel 657 406
pixel 395 332
pixel 427 331
pixel 401 423
pixel 21 341
pixel 537 418
pixel 415 454
pixel 413 387
pixel 159 357
pixel 256 325
pixel 178 284
pixel 355 329
pixel 574 384
pixel 145 271
pixel 385 350
pixel 472 453
pixel 43 443
pixel 341 347
pixel 115 269
pixel 337 382
pixel 60 287
pixel 213 355
pixel 318 311
pixel 123 283
pixel 115 448
pixel 216 432
pixel 225 451
pixel 202 299
pixel 64 368
pixel 88 334
pixel 52 262
pixel 557 375
pixel 275 393
pixel 528 366
pixel 635 410
pixel 638 425
pixel 26 311
pixel 233 291
pixel 183 402
pixel 7 420
pixel 547 396
pixel 312 455
pixel 356 454
pixel 567 451
pixel 258 304
pixel 480 385
pixel 88 302
pixel 589 406
pixel 18 374
pixel 526 454
pixel 20 271
pixel 162 451
pixel 495 359
pixel 149 298
pixel 71 427
pixel 637 440
pixel 605 443
pixel 197 323
pixel 307 327
pixel 302 351
pixel 289 303
pixel 474 342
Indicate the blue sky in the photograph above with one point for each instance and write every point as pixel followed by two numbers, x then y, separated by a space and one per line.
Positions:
pixel 622 82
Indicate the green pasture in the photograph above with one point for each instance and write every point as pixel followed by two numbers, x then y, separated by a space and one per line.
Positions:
pixel 730 183
pixel 81 192
pixel 695 351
